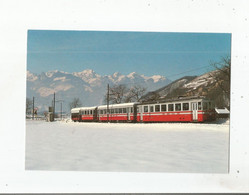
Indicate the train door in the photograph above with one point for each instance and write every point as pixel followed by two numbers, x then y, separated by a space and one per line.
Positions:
pixel 141 113
pixel 135 113
pixel 80 115
pixel 95 114
pixel 194 111
pixel 128 113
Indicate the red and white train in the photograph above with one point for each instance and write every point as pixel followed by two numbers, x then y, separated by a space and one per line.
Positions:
pixel 195 109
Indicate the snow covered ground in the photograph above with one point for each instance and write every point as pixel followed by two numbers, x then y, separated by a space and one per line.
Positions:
pixel 165 147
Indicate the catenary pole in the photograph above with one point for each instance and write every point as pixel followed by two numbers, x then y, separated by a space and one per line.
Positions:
pixel 54 107
pixel 33 108
pixel 108 102
pixel 61 111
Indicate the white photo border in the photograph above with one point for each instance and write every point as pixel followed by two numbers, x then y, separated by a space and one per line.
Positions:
pixel 214 16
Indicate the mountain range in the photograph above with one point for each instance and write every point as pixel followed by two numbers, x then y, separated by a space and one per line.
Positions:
pixel 87 85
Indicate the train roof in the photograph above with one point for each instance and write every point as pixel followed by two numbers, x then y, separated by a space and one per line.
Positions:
pixel 118 105
pixel 75 110
pixel 179 99
pixel 88 108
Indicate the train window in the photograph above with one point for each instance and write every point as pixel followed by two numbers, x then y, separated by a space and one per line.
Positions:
pixel 138 109
pixel 157 108
pixel 163 108
pixel 205 105
pixel 145 108
pixel 91 112
pixel 151 108
pixel 120 110
pixel 131 110
pixel 178 107
pixel 112 111
pixel 170 107
pixel 101 111
pixel 185 106
pixel 199 106
pixel 124 110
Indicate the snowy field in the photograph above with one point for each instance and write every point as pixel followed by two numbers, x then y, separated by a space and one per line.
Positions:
pixel 165 147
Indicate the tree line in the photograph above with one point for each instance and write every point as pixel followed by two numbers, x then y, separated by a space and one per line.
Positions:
pixel 122 94
pixel 117 94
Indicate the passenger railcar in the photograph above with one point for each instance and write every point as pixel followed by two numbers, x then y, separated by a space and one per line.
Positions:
pixel 178 110
pixel 88 114
pixel 75 114
pixel 117 112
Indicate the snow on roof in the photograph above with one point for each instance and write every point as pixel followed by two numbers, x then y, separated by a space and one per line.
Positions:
pixel 117 105
pixel 75 110
pixel 222 111
pixel 88 108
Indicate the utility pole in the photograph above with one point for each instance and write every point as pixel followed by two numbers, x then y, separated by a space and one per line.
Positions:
pixel 61 111
pixel 54 107
pixel 108 102
pixel 33 108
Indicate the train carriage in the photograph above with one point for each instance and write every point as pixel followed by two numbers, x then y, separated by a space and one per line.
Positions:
pixel 178 110
pixel 75 114
pixel 88 114
pixel 117 112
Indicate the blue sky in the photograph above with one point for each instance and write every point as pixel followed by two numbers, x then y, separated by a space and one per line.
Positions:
pixel 169 54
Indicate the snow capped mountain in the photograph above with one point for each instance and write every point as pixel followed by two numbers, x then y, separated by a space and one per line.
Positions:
pixel 86 75
pixel 31 76
pixel 156 78
pixel 87 85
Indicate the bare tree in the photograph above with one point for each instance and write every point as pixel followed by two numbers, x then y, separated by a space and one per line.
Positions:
pixel 117 94
pixel 29 104
pixel 222 76
pixel 75 103
pixel 135 93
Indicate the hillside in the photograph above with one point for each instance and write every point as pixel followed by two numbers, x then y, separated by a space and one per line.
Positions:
pixel 205 85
